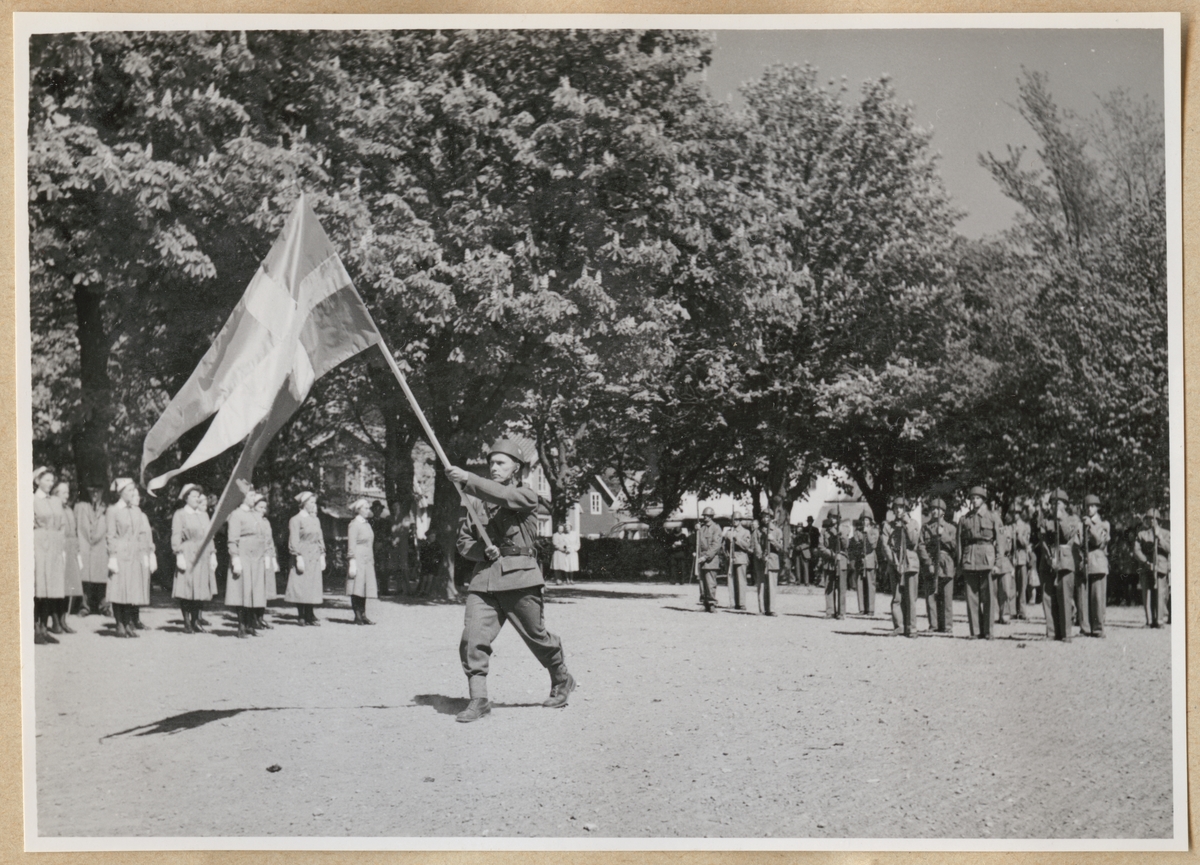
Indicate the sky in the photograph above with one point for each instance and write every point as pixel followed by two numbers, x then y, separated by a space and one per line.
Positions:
pixel 962 84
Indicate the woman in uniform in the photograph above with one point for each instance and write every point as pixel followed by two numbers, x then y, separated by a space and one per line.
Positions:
pixel 49 557
pixel 195 574
pixel 131 558
pixel 73 562
pixel 306 544
pixel 92 533
pixel 271 563
pixel 360 580
pixel 246 587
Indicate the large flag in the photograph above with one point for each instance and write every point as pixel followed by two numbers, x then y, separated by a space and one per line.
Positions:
pixel 299 318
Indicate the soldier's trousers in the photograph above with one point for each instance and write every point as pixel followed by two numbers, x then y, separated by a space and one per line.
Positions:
pixel 864 581
pixel 1097 590
pixel 1154 600
pixel 1005 591
pixel 904 603
pixel 708 587
pixel 1057 591
pixel 486 614
pixel 979 603
pixel 766 584
pixel 1083 613
pixel 804 570
pixel 835 590
pixel 942 614
pixel 737 587
pixel 1021 586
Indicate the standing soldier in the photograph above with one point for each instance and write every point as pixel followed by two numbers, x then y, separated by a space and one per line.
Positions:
pixel 937 551
pixel 1058 534
pixel 506 584
pixel 768 549
pixel 1096 534
pixel 1021 557
pixel 1035 593
pixel 742 543
pixel 902 541
pixel 805 551
pixel 834 547
pixel 306 544
pixel 978 555
pixel 1006 581
pixel 863 562
pixel 709 541
pixel 93 549
pixel 1152 550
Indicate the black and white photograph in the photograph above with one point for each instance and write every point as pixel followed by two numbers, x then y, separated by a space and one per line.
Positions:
pixel 601 432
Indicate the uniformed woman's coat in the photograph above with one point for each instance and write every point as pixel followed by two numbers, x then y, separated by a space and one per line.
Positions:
pixel 92 531
pixel 361 543
pixel 130 544
pixel 188 529
pixel 246 543
pixel 72 582
pixel 49 546
pixel 305 541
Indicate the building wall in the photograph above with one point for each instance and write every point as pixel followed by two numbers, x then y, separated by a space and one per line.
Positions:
pixel 596 517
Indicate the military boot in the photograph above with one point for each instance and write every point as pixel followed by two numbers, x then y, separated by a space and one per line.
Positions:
pixel 476 709
pixel 560 690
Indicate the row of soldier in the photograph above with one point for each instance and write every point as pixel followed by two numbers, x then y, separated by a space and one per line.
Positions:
pixel 105 554
pixel 1036 553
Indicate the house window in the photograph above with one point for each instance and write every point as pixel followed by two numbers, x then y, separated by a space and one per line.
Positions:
pixel 595 500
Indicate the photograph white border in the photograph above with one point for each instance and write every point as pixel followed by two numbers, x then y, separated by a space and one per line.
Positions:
pixel 25 24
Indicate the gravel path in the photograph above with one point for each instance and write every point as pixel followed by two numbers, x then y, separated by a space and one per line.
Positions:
pixel 685 724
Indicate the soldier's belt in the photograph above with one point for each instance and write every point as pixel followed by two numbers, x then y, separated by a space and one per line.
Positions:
pixel 516 551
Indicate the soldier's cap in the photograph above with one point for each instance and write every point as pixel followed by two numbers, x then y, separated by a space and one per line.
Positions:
pixel 119 485
pixel 708 512
pixel 303 497
pixel 519 448
pixel 41 470
pixel 866 518
pixel 359 503
pixel 1091 500
pixel 1153 514
pixel 899 502
pixel 1060 496
pixel 978 491
pixel 937 503
pixel 187 490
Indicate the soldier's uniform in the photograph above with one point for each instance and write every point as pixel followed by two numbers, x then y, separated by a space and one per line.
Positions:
pixel 1094 568
pixel 743 545
pixel 901 540
pixel 805 551
pixel 937 551
pixel 768 546
pixel 1152 550
pixel 1058 536
pixel 978 551
pixel 1006 584
pixel 709 543
pixel 1021 561
pixel 834 546
pixel 864 561
pixel 509 588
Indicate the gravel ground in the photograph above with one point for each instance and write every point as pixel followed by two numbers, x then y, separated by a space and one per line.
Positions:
pixel 684 725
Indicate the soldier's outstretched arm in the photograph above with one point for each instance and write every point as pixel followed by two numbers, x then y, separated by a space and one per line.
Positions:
pixel 517 498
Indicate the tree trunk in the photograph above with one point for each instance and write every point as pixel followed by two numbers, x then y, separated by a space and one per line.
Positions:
pixel 446 517
pixel 398 487
pixel 89 438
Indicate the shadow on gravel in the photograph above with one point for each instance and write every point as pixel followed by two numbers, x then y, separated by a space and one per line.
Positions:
pixel 558 592
pixel 453 705
pixel 186 721
pixel 685 609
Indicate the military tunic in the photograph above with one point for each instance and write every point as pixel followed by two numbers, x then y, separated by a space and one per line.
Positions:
pixel 938 551
pixel 361 550
pixel 1155 582
pixel 306 544
pixel 978 552
pixel 508 589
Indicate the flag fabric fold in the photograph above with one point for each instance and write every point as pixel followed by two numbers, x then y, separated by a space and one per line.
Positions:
pixel 299 318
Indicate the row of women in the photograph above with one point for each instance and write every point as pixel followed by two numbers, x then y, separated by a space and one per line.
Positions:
pixel 106 555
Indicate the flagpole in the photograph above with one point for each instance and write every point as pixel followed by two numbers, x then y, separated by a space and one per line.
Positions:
pixel 433 440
